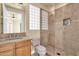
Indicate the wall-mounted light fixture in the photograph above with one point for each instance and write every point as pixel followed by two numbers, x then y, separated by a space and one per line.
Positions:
pixel 13 16
pixel 66 21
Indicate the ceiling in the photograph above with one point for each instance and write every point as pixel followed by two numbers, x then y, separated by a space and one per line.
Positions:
pixel 49 6
pixel 53 5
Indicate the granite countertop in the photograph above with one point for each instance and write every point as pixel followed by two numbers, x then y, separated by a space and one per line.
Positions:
pixel 13 40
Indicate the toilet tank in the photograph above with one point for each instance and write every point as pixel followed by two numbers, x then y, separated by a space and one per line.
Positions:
pixel 35 42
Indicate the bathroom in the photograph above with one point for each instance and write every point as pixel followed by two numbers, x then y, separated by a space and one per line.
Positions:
pixel 53 27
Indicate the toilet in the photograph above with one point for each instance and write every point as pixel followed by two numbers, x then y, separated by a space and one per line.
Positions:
pixel 37 48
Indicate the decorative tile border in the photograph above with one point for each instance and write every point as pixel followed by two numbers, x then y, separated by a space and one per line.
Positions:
pixel 12 35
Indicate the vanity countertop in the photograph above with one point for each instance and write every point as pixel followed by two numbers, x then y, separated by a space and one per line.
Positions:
pixel 14 40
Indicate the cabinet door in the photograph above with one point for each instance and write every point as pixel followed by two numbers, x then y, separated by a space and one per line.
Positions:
pixel 23 51
pixel 7 49
pixel 8 53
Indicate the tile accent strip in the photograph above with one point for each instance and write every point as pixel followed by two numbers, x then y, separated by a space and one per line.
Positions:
pixel 13 35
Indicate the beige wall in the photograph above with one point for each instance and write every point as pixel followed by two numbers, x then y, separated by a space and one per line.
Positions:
pixel 0 20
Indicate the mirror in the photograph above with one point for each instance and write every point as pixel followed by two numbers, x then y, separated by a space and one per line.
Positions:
pixel 12 19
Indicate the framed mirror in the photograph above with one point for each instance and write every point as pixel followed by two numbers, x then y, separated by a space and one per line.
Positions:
pixel 12 19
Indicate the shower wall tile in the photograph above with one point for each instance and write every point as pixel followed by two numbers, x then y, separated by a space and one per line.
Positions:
pixel 59 14
pixel 59 28
pixel 65 38
pixel 68 10
pixel 51 40
pixel 44 37
pixel 75 14
pixel 50 50
pixel 59 52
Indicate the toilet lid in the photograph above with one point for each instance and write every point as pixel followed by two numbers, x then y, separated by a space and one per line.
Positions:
pixel 41 49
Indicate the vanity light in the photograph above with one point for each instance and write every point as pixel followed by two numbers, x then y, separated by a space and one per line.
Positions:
pixel 66 21
pixel 13 16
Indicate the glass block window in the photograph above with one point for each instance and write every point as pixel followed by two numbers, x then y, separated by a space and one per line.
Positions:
pixel 34 18
pixel 44 20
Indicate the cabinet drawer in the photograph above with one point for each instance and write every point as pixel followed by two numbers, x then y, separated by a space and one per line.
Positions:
pixel 23 43
pixel 8 53
pixel 8 46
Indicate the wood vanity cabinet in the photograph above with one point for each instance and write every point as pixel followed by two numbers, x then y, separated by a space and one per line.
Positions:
pixel 21 48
